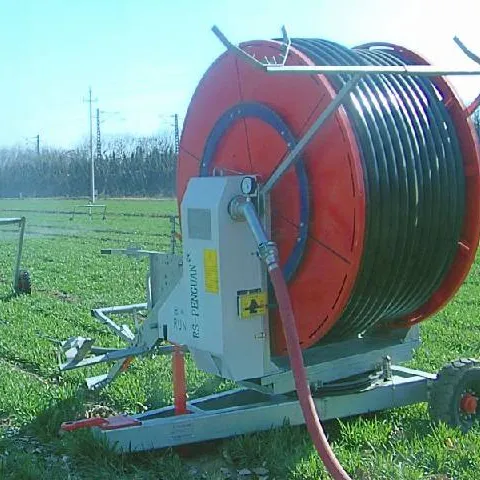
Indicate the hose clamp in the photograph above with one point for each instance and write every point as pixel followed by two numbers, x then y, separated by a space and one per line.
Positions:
pixel 268 252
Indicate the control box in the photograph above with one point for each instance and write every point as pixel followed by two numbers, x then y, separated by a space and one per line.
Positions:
pixel 219 308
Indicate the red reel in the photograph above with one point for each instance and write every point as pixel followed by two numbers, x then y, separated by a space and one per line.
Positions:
pixel 250 144
pixel 321 286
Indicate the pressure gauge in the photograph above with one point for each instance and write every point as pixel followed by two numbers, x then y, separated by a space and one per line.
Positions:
pixel 249 185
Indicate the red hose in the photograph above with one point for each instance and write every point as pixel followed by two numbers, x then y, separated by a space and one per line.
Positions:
pixel 301 383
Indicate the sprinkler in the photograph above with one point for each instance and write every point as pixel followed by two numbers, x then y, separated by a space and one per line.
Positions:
pixel 21 281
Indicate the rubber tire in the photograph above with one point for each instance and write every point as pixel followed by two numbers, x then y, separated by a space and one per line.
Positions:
pixel 24 284
pixel 451 382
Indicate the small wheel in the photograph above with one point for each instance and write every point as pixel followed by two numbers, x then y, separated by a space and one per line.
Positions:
pixel 456 393
pixel 24 283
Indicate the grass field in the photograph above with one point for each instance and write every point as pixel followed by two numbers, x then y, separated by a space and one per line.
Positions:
pixel 70 277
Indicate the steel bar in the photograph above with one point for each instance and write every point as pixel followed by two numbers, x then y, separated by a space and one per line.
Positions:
pixel 408 70
pixel 106 357
pixel 476 103
pixel 10 221
pixel 134 252
pixel 422 70
pixel 287 42
pixel 238 51
pixel 294 154
pixel 101 381
pixel 122 331
pixel 231 413
pixel 122 308
pixel 466 51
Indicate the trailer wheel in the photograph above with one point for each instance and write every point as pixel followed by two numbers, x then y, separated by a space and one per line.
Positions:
pixel 24 283
pixel 455 394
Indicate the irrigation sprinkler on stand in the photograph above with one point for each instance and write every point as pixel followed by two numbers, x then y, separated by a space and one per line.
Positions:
pixel 329 204
pixel 21 281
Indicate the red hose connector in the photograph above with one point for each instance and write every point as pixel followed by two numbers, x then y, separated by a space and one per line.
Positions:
pixel 301 383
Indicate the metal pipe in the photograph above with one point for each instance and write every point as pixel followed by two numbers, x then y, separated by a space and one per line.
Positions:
pixel 246 209
pixel 242 209
pixel 417 70
pixel 475 58
pixel 294 154
pixel 466 51
pixel 238 51
pixel 122 308
pixel 16 270
pixel 422 70
pixel 10 221
pixel 123 332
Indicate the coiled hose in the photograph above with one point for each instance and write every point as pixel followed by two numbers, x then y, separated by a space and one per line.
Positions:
pixel 415 192
pixel 414 184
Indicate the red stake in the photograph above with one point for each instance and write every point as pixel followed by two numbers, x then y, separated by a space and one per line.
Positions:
pixel 179 382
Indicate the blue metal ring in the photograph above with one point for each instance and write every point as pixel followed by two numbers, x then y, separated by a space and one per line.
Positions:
pixel 269 116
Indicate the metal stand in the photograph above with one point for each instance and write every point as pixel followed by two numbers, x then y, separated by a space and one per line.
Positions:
pixel 16 267
pixel 90 206
pixel 245 410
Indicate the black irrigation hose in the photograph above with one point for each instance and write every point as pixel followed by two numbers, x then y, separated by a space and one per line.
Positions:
pixel 414 185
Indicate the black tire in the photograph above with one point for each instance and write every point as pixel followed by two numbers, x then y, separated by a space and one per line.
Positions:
pixel 455 382
pixel 24 283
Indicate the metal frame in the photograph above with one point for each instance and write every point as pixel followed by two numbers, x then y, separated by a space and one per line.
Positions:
pixel 16 267
pixel 357 73
pixel 90 206
pixel 419 70
pixel 243 411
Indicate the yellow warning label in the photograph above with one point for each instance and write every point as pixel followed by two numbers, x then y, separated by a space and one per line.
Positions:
pixel 251 304
pixel 210 266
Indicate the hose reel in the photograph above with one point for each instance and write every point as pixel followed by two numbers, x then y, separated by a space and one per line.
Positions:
pixel 378 224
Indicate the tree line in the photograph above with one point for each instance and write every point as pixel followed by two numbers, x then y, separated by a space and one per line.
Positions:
pixel 143 167
pixel 129 166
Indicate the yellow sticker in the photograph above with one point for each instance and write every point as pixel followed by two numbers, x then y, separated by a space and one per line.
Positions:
pixel 210 265
pixel 252 304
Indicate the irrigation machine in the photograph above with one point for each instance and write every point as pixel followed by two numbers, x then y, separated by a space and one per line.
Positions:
pixel 329 203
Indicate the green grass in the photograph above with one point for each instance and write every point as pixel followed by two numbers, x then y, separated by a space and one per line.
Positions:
pixel 70 277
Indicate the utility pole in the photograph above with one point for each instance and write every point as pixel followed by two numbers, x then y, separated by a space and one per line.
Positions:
pixel 38 144
pixel 177 136
pixel 92 160
pixel 99 141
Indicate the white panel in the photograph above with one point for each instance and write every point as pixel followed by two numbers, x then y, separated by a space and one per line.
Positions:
pixel 202 313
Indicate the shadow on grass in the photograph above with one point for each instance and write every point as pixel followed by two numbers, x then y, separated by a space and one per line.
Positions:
pixel 41 450
pixel 282 451
pixel 7 297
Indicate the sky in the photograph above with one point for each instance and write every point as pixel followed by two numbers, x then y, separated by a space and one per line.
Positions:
pixel 144 58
